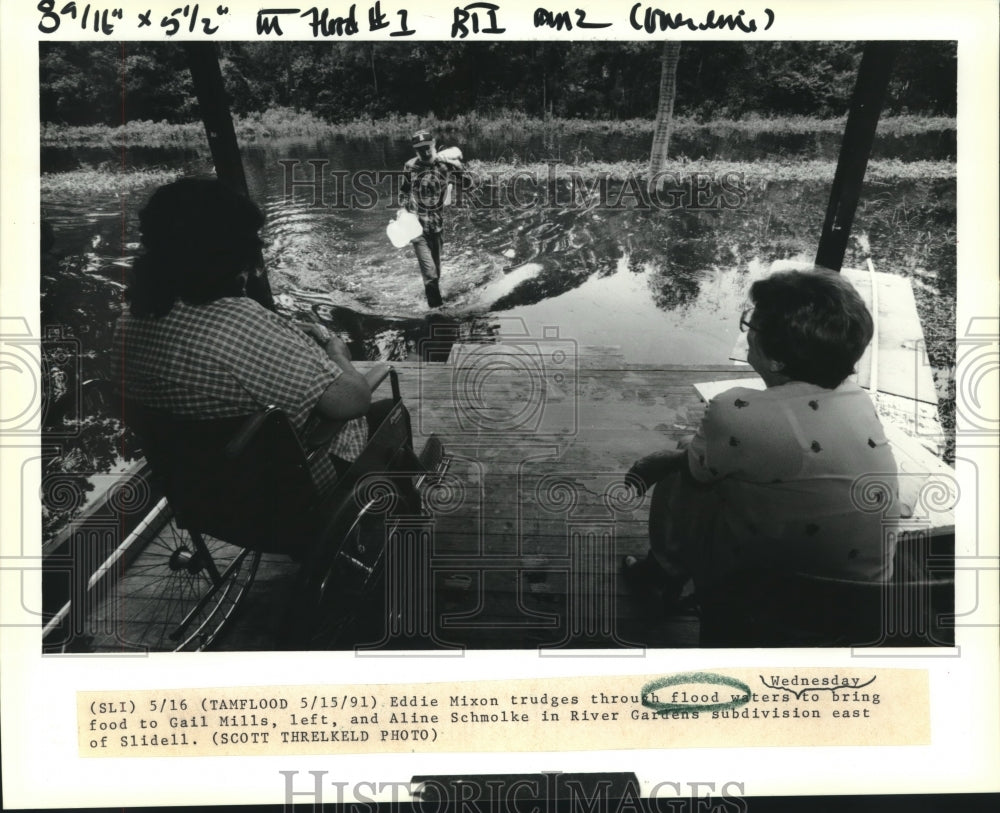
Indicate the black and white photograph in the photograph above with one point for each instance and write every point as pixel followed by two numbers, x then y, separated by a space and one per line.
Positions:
pixel 376 344
pixel 535 344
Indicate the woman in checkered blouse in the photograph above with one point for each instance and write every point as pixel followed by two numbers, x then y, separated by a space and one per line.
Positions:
pixel 193 344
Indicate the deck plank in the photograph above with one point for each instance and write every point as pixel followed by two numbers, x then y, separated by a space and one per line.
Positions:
pixel 502 557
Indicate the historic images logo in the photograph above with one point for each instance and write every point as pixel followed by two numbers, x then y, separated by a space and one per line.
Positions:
pixel 547 185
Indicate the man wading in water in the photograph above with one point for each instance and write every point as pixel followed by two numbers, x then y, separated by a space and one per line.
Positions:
pixel 423 192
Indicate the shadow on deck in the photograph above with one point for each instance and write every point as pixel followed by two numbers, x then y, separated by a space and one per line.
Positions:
pixel 525 530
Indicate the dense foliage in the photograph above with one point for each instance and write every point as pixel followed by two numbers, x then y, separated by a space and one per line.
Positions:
pixel 112 83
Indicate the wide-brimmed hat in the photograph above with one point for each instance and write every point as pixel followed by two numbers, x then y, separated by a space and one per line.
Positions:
pixel 421 138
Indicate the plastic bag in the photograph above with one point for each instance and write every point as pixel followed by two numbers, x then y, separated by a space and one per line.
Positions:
pixel 404 229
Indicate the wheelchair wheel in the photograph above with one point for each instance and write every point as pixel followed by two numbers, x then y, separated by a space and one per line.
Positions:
pixel 177 592
pixel 335 585
pixel 335 591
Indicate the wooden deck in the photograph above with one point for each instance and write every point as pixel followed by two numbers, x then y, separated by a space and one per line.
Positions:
pixel 525 531
pixel 528 524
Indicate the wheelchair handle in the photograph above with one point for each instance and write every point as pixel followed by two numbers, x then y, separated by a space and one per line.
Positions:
pixel 378 373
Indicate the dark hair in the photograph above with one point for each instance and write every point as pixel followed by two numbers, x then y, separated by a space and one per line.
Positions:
pixel 200 236
pixel 815 323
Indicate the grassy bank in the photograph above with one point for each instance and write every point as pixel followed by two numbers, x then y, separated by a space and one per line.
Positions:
pixel 753 173
pixel 104 181
pixel 283 123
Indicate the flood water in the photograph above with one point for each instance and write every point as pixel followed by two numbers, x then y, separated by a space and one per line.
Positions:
pixel 665 284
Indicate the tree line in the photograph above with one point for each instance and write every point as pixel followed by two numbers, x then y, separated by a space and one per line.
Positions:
pixel 105 83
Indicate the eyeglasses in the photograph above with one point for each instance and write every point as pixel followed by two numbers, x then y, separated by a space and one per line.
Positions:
pixel 744 322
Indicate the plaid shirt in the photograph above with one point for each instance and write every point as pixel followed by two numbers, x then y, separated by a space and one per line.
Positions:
pixel 423 190
pixel 228 358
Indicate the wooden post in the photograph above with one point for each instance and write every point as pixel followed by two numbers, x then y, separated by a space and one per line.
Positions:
pixel 859 134
pixel 665 109
pixel 203 60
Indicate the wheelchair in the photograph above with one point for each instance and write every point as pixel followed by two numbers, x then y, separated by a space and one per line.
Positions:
pixel 237 488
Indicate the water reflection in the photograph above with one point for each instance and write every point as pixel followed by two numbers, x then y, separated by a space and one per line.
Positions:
pixel 80 301
pixel 664 286
pixel 506 259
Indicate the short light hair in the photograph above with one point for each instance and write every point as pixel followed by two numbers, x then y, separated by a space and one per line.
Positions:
pixel 813 322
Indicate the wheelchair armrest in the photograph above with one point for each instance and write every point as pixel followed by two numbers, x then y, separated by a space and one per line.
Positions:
pixel 239 443
pixel 319 431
